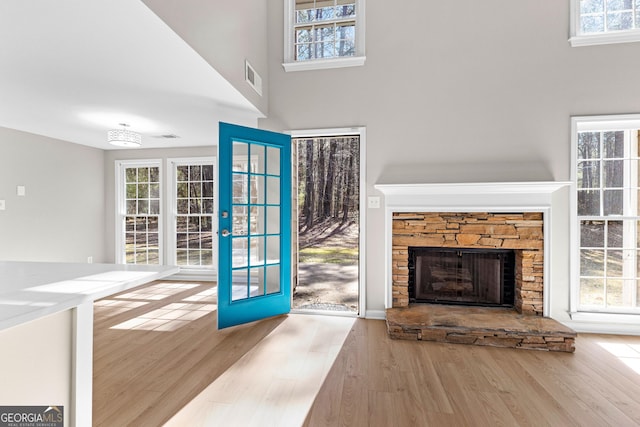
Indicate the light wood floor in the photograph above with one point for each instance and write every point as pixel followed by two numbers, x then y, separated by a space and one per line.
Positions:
pixel 158 359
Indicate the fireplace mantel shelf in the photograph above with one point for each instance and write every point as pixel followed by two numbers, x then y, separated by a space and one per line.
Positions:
pixel 540 187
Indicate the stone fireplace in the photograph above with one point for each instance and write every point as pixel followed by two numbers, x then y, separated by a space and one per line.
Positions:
pixel 521 232
pixel 460 220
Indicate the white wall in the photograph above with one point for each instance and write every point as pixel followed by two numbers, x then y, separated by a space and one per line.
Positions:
pixel 224 33
pixel 61 217
pixel 459 91
pixel 110 158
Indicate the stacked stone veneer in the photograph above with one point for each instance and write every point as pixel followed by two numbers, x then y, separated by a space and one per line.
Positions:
pixel 522 232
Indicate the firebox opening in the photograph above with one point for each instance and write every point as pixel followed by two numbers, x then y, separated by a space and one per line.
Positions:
pixel 484 277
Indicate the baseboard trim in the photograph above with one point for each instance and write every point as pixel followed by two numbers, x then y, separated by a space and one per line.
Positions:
pixel 200 277
pixel 375 314
pixel 603 328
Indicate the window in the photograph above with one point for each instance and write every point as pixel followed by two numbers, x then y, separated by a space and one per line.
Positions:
pixel 191 236
pixel 608 218
pixel 139 222
pixel 323 34
pixel 604 21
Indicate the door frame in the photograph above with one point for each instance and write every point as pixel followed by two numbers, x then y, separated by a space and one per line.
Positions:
pixel 362 132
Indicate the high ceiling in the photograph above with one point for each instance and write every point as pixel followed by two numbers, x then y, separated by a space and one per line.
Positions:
pixel 73 69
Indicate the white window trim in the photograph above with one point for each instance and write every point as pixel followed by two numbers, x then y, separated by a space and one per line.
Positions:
pixel 290 64
pixel 362 268
pixel 193 273
pixel 578 40
pixel 582 320
pixel 120 166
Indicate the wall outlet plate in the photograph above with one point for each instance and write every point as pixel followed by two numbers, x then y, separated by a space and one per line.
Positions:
pixel 2 205
pixel 373 202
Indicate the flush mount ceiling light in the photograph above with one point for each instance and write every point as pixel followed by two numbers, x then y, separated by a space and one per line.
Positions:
pixel 123 137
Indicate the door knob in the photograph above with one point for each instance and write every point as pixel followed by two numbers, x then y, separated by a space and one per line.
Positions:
pixel 225 232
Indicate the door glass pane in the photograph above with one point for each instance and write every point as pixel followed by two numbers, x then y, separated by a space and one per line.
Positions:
pixel 239 288
pixel 273 161
pixel 273 219
pixel 273 279
pixel 240 189
pixel 256 276
pixel 239 252
pixel 273 190
pixel 273 249
pixel 260 190
pixel 257 158
pixel 256 251
pixel 240 156
pixel 240 226
pixel 256 221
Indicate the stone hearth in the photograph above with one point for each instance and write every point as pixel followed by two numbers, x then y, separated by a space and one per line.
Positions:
pixel 495 327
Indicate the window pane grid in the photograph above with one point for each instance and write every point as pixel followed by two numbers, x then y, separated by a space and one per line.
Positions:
pixel 325 41
pixel 141 216
pixel 607 184
pixel 602 16
pixel 324 29
pixel 194 215
pixel 324 10
pixel 255 207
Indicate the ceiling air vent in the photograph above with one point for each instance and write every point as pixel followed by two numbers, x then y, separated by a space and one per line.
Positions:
pixel 167 136
pixel 252 77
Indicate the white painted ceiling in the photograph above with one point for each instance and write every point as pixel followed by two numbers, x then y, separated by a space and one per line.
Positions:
pixel 73 69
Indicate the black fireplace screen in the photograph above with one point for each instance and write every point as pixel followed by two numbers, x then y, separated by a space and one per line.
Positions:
pixel 462 276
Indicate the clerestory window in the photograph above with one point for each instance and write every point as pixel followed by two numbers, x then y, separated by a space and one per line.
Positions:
pixel 323 34
pixel 604 21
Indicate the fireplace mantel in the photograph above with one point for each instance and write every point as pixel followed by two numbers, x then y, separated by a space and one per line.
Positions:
pixel 495 197
pixel 532 192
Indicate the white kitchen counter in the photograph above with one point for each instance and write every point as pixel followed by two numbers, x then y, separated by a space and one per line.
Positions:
pixel 31 290
pixel 46 328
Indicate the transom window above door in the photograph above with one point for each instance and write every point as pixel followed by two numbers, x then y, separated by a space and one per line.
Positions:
pixel 604 21
pixel 323 34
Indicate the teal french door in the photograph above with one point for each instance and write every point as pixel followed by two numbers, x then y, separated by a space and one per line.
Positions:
pixel 254 236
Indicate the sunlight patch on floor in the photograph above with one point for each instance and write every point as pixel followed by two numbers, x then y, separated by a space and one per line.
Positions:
pixel 277 381
pixel 628 354
pixel 167 318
